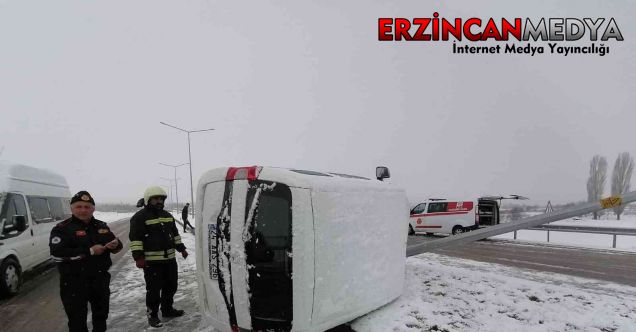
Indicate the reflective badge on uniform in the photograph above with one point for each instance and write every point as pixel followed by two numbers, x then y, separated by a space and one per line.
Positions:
pixel 56 240
pixel 80 233
pixel 103 230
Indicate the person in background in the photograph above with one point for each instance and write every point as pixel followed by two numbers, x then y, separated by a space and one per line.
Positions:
pixel 184 217
pixel 81 247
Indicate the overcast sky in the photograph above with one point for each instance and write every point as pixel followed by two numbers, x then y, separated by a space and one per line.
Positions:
pixel 84 84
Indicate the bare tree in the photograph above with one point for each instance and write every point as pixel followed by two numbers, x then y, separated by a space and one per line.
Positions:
pixel 596 182
pixel 621 178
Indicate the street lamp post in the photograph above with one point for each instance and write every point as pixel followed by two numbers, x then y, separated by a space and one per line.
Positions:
pixel 176 188
pixel 169 189
pixel 189 157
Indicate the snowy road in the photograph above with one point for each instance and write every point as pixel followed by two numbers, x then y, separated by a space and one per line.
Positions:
pixel 39 303
pixel 442 292
pixel 607 265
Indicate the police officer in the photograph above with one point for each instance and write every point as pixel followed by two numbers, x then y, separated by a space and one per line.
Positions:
pixel 153 240
pixel 81 246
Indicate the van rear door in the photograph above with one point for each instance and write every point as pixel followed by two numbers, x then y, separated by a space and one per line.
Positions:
pixel 249 253
pixel 488 211
pixel 268 247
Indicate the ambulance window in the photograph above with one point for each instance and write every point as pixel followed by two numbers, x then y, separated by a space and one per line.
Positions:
pixel 57 211
pixel 420 208
pixel 40 210
pixel 437 207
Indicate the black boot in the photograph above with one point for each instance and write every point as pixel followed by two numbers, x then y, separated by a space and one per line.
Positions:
pixel 153 319
pixel 172 312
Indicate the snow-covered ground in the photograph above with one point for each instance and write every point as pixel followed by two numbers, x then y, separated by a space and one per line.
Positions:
pixel 111 216
pixel 128 295
pixel 449 294
pixel 623 242
pixel 441 294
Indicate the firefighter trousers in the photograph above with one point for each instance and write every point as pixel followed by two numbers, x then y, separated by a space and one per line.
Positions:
pixel 161 285
pixel 77 291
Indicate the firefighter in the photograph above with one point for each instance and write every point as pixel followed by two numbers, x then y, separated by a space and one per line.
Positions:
pixel 81 245
pixel 153 240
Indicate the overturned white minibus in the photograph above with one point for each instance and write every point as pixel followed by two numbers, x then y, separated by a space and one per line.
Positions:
pixel 293 250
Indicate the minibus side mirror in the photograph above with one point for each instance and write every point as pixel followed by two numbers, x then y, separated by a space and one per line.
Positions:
pixel 20 223
pixel 140 203
pixel 382 172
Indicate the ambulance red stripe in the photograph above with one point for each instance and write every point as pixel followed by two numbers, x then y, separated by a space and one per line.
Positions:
pixel 438 214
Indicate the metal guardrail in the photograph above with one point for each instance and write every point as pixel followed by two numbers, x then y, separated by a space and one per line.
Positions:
pixel 614 231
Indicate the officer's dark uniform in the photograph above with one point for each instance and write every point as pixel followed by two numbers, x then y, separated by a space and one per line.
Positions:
pixel 83 278
pixel 154 238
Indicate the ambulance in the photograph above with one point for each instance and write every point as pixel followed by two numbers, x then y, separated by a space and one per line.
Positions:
pixel 32 202
pixel 452 216
pixel 296 250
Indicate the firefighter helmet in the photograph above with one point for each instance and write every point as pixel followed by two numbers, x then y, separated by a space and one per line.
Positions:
pixel 154 191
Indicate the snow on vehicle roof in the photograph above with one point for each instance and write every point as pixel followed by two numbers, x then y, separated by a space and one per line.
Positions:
pixel 12 173
pixel 322 181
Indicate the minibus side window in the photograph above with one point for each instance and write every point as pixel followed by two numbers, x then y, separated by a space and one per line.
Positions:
pixel 40 210
pixel 437 207
pixel 57 211
pixel 14 206
pixel 66 207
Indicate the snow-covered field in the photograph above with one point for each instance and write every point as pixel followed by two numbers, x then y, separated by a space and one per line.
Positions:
pixel 441 294
pixel 450 294
pixel 111 216
pixel 623 242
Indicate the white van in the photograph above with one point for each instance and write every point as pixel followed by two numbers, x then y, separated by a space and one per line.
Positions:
pixel 295 250
pixel 32 201
pixel 452 216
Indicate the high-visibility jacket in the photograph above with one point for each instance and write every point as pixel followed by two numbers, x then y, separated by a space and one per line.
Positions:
pixel 154 236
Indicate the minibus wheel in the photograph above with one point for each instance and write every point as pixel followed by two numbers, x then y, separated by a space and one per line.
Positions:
pixel 9 277
pixel 411 231
pixel 458 230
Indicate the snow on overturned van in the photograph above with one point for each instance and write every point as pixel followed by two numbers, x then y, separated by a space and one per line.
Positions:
pixel 295 250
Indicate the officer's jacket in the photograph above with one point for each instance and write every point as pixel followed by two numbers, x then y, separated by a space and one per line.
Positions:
pixel 70 243
pixel 154 236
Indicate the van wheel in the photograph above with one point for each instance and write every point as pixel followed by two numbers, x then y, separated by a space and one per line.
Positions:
pixel 458 230
pixel 411 231
pixel 9 277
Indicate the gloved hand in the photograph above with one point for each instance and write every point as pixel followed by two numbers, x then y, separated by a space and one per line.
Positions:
pixel 141 263
pixel 184 254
